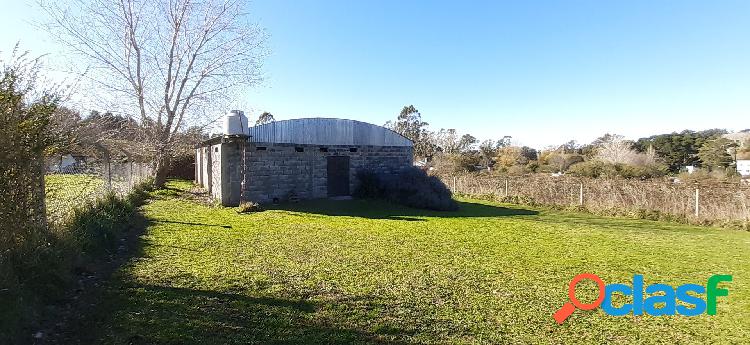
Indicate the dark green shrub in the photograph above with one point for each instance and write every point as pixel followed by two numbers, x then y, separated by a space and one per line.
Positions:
pixel 182 166
pixel 410 186
pixel 641 171
pixel 95 228
pixel 595 169
pixel 140 192
pixel 370 185
pixel 413 187
pixel 26 244
pixel 533 166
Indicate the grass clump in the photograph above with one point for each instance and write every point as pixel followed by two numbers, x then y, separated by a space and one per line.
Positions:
pixel 248 207
pixel 63 193
pixel 95 228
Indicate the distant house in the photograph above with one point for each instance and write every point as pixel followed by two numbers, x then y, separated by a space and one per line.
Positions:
pixel 65 163
pixel 743 167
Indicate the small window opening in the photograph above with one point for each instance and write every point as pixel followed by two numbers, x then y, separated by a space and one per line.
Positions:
pixel 299 149
pixel 323 149
pixel 352 149
pixel 216 149
pixel 260 148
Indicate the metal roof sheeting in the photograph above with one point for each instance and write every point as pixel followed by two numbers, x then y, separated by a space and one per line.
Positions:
pixel 324 131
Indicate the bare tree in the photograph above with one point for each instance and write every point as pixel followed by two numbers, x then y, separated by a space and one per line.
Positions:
pixel 614 148
pixel 167 63
pixel 487 151
pixel 446 139
pixel 449 141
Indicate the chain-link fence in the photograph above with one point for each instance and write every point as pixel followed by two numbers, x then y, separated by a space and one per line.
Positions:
pixel 73 181
pixel 697 202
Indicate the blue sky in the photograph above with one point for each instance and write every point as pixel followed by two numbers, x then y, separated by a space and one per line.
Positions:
pixel 543 72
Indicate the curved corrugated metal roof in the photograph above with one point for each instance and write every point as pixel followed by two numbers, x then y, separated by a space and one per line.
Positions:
pixel 325 131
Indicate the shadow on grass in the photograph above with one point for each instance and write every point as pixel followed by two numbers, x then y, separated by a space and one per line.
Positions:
pixel 619 223
pixel 189 223
pixel 149 314
pixel 380 209
pixel 184 191
pixel 70 317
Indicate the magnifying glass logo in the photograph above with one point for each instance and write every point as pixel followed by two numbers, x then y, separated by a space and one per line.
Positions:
pixel 569 308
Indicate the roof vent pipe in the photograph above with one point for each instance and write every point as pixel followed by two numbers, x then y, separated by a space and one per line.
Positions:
pixel 235 122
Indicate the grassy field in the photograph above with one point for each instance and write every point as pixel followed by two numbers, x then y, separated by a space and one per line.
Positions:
pixel 63 192
pixel 365 271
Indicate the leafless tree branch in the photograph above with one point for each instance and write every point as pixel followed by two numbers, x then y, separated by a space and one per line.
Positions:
pixel 165 61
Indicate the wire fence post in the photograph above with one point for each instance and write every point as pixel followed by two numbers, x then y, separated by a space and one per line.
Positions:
pixel 40 192
pixel 697 203
pixel 109 174
pixel 580 194
pixel 454 184
pixel 506 187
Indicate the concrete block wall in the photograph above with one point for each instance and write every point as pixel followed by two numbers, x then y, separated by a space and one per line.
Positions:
pixel 198 165
pixel 280 169
pixel 215 174
pixel 201 166
pixel 231 162
pixel 277 171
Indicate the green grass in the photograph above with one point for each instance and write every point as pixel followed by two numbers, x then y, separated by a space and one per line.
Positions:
pixel 366 271
pixel 64 192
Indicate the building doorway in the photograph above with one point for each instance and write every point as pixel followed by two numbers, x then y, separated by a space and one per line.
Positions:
pixel 338 175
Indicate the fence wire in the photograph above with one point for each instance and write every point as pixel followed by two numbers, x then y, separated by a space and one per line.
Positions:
pixel 72 183
pixel 697 202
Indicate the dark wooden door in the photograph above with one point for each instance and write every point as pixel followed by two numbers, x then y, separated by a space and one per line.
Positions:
pixel 338 175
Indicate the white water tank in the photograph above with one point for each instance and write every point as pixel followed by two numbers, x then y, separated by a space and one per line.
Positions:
pixel 235 122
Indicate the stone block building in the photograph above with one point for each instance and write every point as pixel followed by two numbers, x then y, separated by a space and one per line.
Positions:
pixel 302 158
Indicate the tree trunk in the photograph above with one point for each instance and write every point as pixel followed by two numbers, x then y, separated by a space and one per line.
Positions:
pixel 161 168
